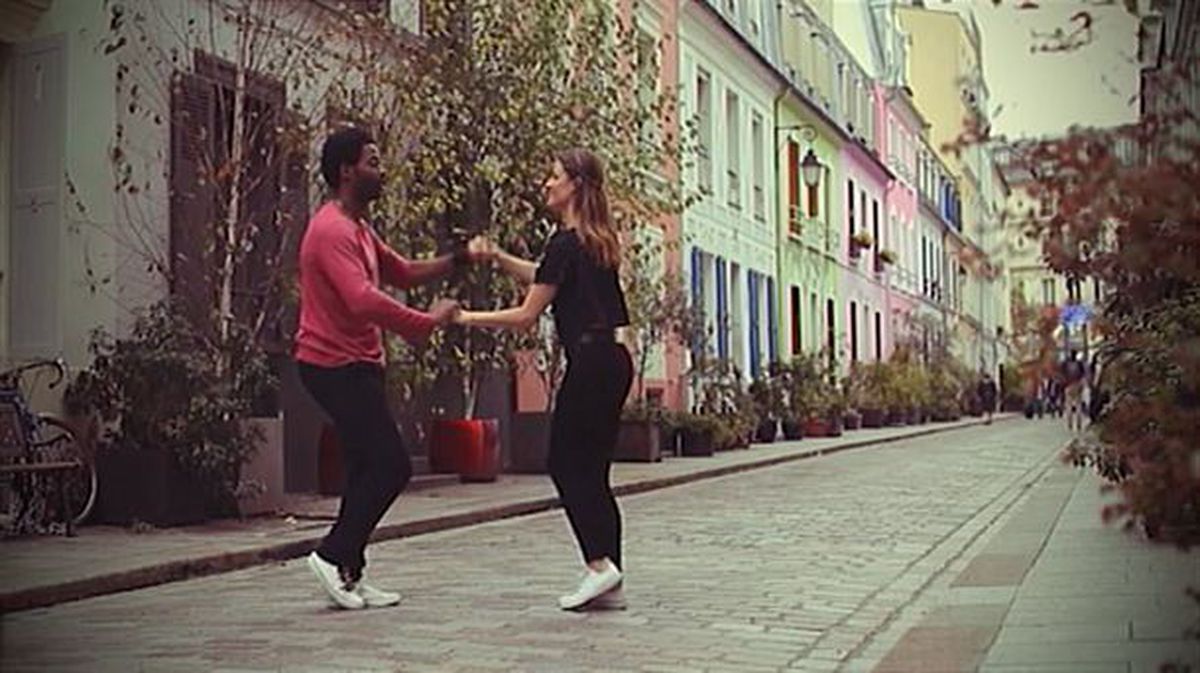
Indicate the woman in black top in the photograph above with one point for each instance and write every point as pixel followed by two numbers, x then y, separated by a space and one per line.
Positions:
pixel 578 275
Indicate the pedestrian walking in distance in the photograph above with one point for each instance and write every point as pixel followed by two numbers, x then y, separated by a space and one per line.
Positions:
pixel 987 395
pixel 339 354
pixel 578 276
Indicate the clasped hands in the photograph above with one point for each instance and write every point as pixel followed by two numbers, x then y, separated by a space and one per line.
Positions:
pixel 479 250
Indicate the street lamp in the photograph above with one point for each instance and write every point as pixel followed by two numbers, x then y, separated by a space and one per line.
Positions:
pixel 810 167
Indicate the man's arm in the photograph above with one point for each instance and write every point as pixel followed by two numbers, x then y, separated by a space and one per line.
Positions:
pixel 340 262
pixel 399 272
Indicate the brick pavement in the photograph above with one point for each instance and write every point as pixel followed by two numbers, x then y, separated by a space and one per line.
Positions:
pixel 806 566
pixel 43 571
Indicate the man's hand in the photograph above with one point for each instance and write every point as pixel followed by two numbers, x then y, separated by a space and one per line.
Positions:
pixel 482 249
pixel 444 311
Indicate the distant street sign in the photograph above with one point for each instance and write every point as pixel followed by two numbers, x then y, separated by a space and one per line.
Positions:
pixel 1073 315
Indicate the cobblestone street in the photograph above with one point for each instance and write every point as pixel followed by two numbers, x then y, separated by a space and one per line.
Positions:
pixel 795 567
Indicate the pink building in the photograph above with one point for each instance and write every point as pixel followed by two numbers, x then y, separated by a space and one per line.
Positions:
pixel 866 336
pixel 900 128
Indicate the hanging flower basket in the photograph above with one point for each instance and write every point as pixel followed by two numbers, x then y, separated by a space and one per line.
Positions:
pixel 862 239
pixel 887 256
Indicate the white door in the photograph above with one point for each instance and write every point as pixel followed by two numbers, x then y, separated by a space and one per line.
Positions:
pixel 35 211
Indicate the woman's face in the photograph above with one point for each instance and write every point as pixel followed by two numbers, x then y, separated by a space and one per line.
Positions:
pixel 558 189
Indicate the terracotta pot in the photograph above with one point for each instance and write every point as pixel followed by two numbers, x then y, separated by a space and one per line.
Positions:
pixel 816 427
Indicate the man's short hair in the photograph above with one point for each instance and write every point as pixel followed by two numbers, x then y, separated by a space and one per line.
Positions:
pixel 342 147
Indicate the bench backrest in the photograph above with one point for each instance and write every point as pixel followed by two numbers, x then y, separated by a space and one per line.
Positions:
pixel 14 437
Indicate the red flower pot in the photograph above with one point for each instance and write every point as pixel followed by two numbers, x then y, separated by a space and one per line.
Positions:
pixel 470 447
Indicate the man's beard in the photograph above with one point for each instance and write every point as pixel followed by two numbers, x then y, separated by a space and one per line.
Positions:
pixel 368 190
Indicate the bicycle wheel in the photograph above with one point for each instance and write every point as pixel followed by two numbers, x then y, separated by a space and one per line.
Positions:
pixel 80 483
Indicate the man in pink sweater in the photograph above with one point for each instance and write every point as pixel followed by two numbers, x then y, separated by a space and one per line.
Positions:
pixel 339 352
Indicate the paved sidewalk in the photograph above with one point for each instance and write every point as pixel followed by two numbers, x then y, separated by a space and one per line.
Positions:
pixel 1051 589
pixel 36 572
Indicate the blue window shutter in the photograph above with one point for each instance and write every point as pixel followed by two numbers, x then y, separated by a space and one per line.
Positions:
pixel 722 311
pixel 772 323
pixel 697 293
pixel 752 285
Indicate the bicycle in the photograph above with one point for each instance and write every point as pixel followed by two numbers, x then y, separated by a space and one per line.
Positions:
pixel 44 468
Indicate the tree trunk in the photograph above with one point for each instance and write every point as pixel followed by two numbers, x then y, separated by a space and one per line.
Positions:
pixel 236 151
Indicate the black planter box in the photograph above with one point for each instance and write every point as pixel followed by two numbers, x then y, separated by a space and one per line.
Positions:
pixel 696 443
pixel 530 442
pixel 147 486
pixel 638 441
pixel 766 431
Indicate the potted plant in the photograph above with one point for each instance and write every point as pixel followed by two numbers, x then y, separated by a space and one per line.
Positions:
pixel 174 436
pixel 872 382
pixel 788 377
pixel 862 240
pixel 698 434
pixel 768 403
pixel 639 436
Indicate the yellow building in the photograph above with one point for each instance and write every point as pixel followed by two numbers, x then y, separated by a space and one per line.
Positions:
pixel 946 74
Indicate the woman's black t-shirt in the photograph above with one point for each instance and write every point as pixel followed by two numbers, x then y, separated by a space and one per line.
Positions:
pixel 589 295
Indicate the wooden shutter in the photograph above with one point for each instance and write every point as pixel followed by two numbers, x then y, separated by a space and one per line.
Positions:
pixel 192 196
pixel 294 214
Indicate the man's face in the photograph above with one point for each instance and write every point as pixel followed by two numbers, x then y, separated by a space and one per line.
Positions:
pixel 366 177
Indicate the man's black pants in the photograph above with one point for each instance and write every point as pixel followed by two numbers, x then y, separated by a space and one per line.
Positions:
pixel 377 465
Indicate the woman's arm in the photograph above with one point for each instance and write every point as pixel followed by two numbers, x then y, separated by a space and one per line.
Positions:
pixel 519 318
pixel 523 270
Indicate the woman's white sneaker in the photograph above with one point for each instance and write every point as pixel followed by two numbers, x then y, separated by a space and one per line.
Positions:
pixel 595 583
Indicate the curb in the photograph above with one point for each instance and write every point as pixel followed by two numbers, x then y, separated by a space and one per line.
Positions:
pixel 174 571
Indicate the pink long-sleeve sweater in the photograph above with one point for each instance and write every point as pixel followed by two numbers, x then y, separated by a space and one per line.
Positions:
pixel 342 309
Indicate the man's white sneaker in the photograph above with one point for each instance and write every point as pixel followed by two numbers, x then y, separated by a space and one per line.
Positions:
pixel 594 584
pixel 614 599
pixel 376 598
pixel 340 592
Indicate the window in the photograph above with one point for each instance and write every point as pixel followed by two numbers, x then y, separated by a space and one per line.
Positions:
pixel 831 330
pixel 878 336
pixel 647 85
pixel 1049 292
pixel 273 208
pixel 853 331
pixel 875 229
pixel 704 121
pixel 756 137
pixel 793 186
pixel 850 201
pixel 733 148
pixel 814 318
pixel 797 334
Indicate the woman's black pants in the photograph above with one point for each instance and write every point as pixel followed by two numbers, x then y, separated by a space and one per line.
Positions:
pixel 583 435
pixel 377 465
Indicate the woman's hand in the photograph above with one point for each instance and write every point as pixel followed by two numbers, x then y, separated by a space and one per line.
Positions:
pixel 482 249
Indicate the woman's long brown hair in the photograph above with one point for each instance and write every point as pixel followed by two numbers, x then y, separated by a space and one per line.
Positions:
pixel 590 201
